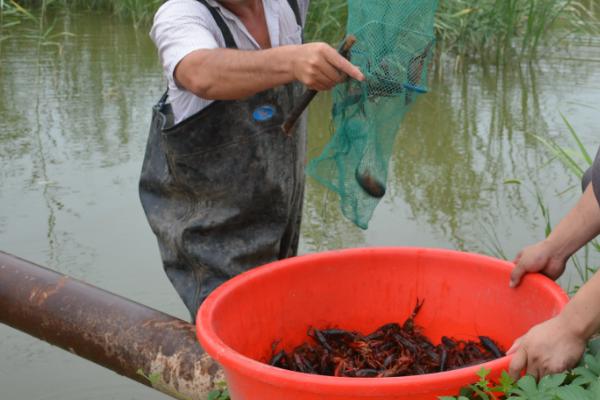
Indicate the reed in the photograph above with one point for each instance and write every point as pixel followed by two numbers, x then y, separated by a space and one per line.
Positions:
pixel 490 30
pixel 502 30
pixel 326 21
pixel 39 27
pixel 9 18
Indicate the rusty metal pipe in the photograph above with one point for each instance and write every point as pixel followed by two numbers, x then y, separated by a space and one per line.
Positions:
pixel 126 337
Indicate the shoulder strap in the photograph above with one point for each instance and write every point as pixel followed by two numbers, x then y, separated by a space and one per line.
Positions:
pixel 227 35
pixel 296 9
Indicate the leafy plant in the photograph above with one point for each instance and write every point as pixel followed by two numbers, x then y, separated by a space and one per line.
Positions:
pixel 157 382
pixel 581 383
pixel 221 393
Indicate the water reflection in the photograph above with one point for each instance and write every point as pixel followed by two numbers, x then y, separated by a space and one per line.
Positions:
pixel 67 112
pixel 464 140
pixel 72 134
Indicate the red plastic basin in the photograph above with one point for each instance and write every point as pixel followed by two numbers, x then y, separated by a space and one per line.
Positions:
pixel 466 295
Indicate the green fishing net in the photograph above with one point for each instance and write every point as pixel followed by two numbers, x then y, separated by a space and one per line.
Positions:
pixel 394 44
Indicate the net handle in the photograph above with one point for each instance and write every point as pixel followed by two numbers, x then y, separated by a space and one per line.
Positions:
pixel 310 94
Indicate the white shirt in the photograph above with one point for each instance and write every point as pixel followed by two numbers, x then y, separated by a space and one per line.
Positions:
pixel 183 26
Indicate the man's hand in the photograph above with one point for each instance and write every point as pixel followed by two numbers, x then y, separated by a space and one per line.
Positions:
pixel 541 257
pixel 549 348
pixel 320 67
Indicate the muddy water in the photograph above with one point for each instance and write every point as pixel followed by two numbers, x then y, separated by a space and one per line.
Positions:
pixel 466 174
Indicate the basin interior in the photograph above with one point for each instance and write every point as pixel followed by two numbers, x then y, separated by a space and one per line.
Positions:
pixel 465 295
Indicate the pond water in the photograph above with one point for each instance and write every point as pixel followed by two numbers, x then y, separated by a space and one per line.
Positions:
pixel 73 126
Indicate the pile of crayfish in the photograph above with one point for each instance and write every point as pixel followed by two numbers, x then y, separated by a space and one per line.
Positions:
pixel 392 350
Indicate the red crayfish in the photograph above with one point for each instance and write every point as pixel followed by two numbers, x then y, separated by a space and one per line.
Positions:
pixel 392 350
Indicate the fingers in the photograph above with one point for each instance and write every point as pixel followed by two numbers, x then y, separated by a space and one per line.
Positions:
pixel 332 74
pixel 518 363
pixel 320 84
pixel 321 67
pixel 533 369
pixel 518 258
pixel 516 275
pixel 343 65
pixel 514 347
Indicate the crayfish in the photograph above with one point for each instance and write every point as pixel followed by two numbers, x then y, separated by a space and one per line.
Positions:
pixel 390 351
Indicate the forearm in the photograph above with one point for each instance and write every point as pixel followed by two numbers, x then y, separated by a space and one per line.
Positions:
pixel 225 74
pixel 582 313
pixel 581 225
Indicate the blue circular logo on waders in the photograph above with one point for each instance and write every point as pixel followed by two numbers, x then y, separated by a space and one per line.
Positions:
pixel 264 113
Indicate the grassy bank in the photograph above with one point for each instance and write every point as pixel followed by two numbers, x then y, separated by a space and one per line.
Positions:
pixel 493 30
pixel 498 30
pixel 139 12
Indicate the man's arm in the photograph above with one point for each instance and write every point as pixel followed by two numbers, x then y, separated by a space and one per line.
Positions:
pixel 225 74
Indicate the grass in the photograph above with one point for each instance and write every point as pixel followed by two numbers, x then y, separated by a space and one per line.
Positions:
pixel 577 160
pixel 326 20
pixel 500 30
pixel 491 30
pixel 139 12
pixel 40 28
pixel 9 18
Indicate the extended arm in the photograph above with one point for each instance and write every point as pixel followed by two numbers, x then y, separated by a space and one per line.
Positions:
pixel 224 74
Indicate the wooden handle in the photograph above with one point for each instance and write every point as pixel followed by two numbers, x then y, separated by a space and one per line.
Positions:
pixel 310 94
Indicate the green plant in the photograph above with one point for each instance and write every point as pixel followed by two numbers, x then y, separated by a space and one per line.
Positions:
pixel 484 389
pixel 495 30
pixel 581 383
pixel 499 30
pixel 157 383
pixel 326 21
pixel 9 18
pixel 221 393
pixel 38 28
pixel 140 12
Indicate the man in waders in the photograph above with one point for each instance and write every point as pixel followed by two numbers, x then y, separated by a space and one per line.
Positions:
pixel 221 185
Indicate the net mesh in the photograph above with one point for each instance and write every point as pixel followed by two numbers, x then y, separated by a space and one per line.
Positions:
pixel 394 44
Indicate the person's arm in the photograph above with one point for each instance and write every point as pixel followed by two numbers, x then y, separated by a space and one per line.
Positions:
pixel 557 345
pixel 224 74
pixel 549 256
pixel 186 39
